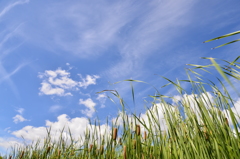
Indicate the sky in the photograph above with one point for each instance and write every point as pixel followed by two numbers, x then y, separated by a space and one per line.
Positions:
pixel 55 55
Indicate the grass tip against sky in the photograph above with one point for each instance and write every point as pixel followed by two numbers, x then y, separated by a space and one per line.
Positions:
pixel 55 55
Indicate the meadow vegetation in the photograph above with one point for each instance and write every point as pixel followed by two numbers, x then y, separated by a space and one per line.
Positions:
pixel 200 124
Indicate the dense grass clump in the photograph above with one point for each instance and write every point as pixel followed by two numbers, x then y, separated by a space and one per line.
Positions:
pixel 200 124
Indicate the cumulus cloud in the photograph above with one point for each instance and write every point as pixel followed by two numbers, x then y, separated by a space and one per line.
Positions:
pixel 207 100
pixel 192 101
pixel 155 112
pixel 48 90
pixel 18 118
pixel 76 125
pixel 8 142
pixel 155 115
pixel 151 119
pixel 236 112
pixel 90 107
pixel 89 80
pixel 58 82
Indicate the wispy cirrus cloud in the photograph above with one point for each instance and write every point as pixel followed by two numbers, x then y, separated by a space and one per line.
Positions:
pixel 161 22
pixel 12 5
pixel 55 108
pixel 6 76
pixel 136 30
pixel 9 42
pixel 94 33
pixel 83 28
pixel 136 33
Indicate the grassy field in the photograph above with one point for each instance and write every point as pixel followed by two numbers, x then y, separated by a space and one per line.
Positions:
pixel 202 124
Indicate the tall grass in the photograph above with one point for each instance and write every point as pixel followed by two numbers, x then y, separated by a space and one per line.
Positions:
pixel 200 124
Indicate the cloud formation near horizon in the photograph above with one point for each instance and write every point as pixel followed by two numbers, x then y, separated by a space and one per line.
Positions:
pixel 77 126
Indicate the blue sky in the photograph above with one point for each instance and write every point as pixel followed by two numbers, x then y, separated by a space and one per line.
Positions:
pixel 55 55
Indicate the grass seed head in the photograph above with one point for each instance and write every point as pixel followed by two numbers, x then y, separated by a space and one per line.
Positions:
pixel 145 135
pixel 138 130
pixel 90 148
pixel 125 152
pixel 226 121
pixel 114 136
pixel 205 131
pixel 101 150
pixel 120 141
pixel 59 152
pixel 48 149
pixel 21 156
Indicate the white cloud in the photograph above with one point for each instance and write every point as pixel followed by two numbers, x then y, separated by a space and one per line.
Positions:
pixel 55 108
pixel 7 129
pixel 9 33
pixel 89 80
pixel 69 66
pixel 10 6
pixel 18 118
pixel 157 112
pixel 59 83
pixel 192 101
pixel 154 31
pixel 48 90
pixel 9 142
pixel 136 31
pixel 208 101
pixel 76 125
pixel 90 107
pixel 59 78
pixel 20 110
pixel 102 99
pixel 93 34
pixel 236 112
pixel 8 75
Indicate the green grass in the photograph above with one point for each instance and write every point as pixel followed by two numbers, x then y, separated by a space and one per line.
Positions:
pixel 206 127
